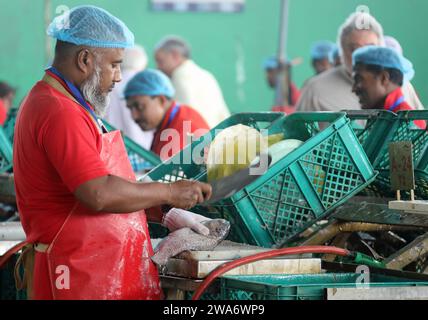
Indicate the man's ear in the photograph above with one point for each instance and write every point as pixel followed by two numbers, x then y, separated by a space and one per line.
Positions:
pixel 85 61
pixel 384 78
pixel 177 57
pixel 163 100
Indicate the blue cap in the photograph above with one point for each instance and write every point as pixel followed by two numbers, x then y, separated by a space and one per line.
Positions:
pixel 334 54
pixel 384 57
pixel 91 26
pixel 149 83
pixel 322 50
pixel 270 63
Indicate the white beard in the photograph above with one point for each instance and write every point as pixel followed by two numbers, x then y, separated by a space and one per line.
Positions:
pixel 92 93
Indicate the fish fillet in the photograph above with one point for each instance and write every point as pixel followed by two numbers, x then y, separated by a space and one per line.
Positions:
pixel 186 239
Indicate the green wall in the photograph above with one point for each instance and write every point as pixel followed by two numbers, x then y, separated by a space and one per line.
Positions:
pixel 221 42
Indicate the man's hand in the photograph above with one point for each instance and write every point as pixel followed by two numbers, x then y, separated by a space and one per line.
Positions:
pixel 176 219
pixel 186 194
pixel 114 194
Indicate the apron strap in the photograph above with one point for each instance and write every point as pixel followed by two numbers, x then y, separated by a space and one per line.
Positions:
pixel 26 259
pixel 173 113
pixel 50 79
pixel 397 102
pixel 56 85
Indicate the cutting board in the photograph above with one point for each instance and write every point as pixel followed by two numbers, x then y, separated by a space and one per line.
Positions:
pixel 198 264
pixel 227 250
pixel 200 269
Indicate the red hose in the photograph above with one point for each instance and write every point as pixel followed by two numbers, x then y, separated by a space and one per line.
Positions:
pixel 5 258
pixel 264 255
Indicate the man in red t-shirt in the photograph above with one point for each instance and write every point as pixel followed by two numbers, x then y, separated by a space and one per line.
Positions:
pixel 7 94
pixel 271 67
pixel 149 97
pixel 80 206
pixel 3 113
pixel 379 73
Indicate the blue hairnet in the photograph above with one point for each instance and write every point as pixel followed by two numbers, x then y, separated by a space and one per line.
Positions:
pixel 393 43
pixel 270 63
pixel 334 54
pixel 384 57
pixel 149 83
pixel 322 50
pixel 91 26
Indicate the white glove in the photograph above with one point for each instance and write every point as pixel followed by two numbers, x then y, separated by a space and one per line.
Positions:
pixel 177 218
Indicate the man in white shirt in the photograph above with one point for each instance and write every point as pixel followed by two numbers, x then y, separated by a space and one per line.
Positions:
pixel 118 115
pixel 194 86
pixel 332 90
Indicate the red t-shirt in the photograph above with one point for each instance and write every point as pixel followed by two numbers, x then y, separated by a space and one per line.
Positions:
pixel 179 123
pixel 391 104
pixel 3 113
pixel 295 96
pixel 56 148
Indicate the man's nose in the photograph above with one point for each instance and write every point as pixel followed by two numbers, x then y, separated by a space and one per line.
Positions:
pixel 118 75
pixel 354 87
pixel 134 114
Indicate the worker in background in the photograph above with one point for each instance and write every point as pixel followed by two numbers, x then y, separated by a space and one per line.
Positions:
pixel 393 43
pixel 193 85
pixel 270 65
pixel 149 97
pixel 321 56
pixel 134 61
pixel 81 209
pixel 335 57
pixel 378 76
pixel 7 94
pixel 332 90
pixel 408 90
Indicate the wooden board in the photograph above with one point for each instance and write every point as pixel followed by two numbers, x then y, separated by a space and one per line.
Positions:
pixel 226 250
pixel 200 269
pixel 6 245
pixel 380 214
pixel 390 293
pixel 401 164
pixel 415 206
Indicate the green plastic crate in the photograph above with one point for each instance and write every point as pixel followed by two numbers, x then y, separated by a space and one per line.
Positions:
pixel 372 128
pixel 300 287
pixel 421 170
pixel 404 130
pixel 301 188
pixel 140 158
pixel 5 152
pixel 210 296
